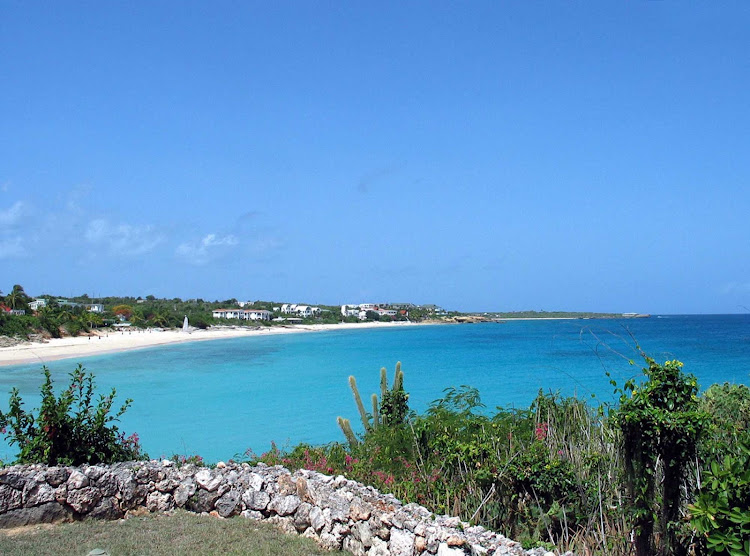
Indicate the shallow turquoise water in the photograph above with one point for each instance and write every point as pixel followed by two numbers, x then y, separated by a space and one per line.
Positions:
pixel 219 398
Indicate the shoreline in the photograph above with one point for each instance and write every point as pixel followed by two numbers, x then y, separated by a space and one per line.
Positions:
pixel 56 349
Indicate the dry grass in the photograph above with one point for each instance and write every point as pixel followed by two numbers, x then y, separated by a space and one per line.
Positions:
pixel 179 533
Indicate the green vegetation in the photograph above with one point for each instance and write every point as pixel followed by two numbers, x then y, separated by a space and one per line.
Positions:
pixel 69 429
pixel 157 534
pixel 660 426
pixel 665 465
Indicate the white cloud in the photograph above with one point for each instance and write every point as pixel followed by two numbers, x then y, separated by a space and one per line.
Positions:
pixel 202 251
pixel 11 216
pixel 11 247
pixel 123 239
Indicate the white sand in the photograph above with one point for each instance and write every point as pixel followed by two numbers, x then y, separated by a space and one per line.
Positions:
pixel 85 346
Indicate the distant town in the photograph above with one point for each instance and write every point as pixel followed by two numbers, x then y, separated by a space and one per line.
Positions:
pixel 22 315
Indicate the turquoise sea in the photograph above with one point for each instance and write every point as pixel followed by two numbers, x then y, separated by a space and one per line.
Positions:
pixel 222 397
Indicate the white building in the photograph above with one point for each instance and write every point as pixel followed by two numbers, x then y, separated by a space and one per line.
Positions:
pixel 242 314
pixel 350 310
pixel 258 314
pixel 95 308
pixel 228 314
pixel 304 311
pixel 37 304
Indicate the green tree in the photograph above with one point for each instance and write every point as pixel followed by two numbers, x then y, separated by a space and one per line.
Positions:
pixel 17 298
pixel 123 310
pixel 661 426
pixel 69 429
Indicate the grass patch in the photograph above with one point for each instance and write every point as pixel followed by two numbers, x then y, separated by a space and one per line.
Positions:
pixel 178 533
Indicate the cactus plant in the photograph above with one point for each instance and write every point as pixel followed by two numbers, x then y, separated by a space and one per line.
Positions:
pixel 346 428
pixel 391 410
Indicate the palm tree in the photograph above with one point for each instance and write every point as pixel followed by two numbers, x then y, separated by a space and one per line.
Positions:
pixel 94 319
pixel 17 298
pixel 160 318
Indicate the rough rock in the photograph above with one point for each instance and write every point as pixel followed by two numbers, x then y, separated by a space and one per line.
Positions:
pixel 229 504
pixel 83 499
pixel 284 505
pixel 256 500
pixel 46 513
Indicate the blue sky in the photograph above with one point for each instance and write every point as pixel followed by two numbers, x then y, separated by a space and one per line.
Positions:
pixel 477 155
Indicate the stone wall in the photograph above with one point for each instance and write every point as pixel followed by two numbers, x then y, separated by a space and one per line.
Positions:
pixel 334 511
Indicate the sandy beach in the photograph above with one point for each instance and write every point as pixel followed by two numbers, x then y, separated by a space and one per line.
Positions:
pixel 110 342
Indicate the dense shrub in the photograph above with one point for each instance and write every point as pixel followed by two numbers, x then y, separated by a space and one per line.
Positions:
pixel 721 513
pixel 69 429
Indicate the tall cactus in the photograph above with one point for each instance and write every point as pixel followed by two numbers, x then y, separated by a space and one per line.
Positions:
pixel 391 410
pixel 383 382
pixel 398 378
pixel 358 401
pixel 346 428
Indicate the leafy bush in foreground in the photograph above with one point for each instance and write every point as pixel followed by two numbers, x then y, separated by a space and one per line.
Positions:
pixel 69 429
pixel 721 513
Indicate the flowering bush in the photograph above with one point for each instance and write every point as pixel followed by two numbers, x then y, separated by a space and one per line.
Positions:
pixel 69 429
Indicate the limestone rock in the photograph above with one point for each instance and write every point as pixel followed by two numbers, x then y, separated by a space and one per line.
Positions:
pixel 255 481
pixel 10 498
pixel 13 477
pixel 201 501
pixel 159 502
pixel 207 480
pixel 83 499
pixel 401 543
pixel 94 472
pixel 184 491
pixel 358 511
pixel 39 493
pixel 354 546
pixel 56 476
pixel 77 480
pixel 284 505
pixel 256 500
pixel 317 519
pixel 287 485
pixel 445 550
pixel 302 517
pixel 252 514
pixel 379 548
pixel 108 508
pixel 228 504
pixel 107 483
pixel 50 512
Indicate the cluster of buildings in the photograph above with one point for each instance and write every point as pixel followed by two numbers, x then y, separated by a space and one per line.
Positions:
pixel 241 314
pixel 9 311
pixel 360 311
pixel 295 311
pixel 41 302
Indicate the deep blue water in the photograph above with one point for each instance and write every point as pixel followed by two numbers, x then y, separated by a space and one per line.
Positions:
pixel 219 398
